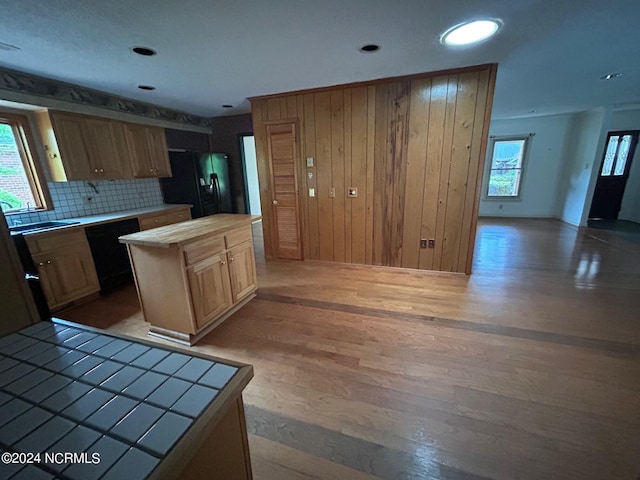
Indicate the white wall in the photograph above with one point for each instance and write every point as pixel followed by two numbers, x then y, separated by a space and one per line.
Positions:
pixel 251 172
pixel 585 141
pixel 630 209
pixel 542 170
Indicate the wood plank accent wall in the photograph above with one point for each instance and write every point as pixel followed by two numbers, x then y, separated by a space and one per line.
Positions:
pixel 414 148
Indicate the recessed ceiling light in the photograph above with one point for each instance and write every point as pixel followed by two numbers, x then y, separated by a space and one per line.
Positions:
pixel 146 87
pixel 369 48
pixel 144 51
pixel 470 32
pixel 226 105
pixel 609 76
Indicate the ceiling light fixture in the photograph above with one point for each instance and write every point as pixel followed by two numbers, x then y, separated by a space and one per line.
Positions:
pixel 470 32
pixel 146 87
pixel 609 76
pixel 370 48
pixel 144 51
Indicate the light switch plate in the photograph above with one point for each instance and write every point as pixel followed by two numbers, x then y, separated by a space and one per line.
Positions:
pixel 352 192
pixel 309 162
pixel 312 192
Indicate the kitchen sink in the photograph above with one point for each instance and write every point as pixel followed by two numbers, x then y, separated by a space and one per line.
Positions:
pixel 32 227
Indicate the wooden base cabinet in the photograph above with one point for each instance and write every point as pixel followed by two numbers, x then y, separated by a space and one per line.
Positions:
pixel 155 220
pixel 65 266
pixel 242 270
pixel 193 275
pixel 210 289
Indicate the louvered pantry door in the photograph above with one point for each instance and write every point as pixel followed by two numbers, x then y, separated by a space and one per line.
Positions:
pixel 281 142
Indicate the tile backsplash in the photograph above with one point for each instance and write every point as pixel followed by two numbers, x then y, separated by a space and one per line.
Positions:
pixel 80 199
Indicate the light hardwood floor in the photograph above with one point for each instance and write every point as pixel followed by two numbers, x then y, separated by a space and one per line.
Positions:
pixel 527 369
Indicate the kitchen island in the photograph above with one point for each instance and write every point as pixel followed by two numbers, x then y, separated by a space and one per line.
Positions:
pixel 193 275
pixel 127 408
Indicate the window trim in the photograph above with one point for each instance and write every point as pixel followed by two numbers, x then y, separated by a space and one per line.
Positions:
pixel 22 131
pixel 525 155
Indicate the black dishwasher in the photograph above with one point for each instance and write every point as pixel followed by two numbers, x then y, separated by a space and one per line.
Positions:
pixel 109 255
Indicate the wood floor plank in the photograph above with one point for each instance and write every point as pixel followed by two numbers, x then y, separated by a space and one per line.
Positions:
pixel 527 369
pixel 271 459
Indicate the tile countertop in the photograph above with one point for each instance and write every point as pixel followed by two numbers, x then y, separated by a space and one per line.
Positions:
pixel 112 217
pixel 70 388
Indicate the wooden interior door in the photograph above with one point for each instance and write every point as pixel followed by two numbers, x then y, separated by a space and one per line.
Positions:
pixel 614 172
pixel 282 149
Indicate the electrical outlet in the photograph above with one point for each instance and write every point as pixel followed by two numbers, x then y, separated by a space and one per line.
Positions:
pixel 309 162
pixel 432 243
pixel 423 243
pixel 312 192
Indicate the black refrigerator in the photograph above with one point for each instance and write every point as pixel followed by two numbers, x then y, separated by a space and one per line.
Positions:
pixel 201 179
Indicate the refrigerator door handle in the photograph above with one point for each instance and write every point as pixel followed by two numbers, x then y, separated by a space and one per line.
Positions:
pixel 219 194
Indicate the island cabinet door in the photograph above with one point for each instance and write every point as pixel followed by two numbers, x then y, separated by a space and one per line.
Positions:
pixel 242 269
pixel 210 288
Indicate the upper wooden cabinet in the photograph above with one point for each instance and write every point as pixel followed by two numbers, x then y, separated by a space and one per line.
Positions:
pixel 149 154
pixel 81 147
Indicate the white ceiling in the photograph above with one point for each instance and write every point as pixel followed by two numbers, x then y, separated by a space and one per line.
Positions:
pixel 551 53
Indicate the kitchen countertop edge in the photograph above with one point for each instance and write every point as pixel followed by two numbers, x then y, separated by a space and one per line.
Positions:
pixel 109 217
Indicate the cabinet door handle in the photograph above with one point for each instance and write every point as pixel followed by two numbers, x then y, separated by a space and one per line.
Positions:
pixel 223 263
pixel 102 170
pixel 48 262
pixel 95 170
pixel 232 259
pixel 276 202
pixel 41 264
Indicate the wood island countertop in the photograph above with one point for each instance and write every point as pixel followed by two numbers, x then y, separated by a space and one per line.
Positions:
pixel 180 233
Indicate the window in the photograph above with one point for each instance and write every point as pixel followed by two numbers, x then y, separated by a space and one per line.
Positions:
pixel 507 160
pixel 616 156
pixel 20 187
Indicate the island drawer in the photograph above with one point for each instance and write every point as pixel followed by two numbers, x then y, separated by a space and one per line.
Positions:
pixel 236 237
pixel 196 251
